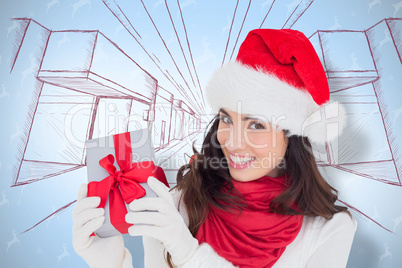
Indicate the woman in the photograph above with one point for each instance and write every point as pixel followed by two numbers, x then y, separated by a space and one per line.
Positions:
pixel 253 196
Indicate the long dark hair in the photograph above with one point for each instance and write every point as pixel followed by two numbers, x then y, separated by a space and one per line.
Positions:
pixel 201 183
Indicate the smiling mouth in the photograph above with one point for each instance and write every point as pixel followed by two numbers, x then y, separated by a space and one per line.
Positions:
pixel 240 160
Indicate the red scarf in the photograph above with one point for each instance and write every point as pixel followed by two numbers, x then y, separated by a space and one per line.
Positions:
pixel 253 236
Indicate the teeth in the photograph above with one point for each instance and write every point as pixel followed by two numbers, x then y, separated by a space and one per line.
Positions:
pixel 241 160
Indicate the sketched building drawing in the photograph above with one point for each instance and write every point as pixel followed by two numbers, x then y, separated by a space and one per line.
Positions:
pixel 363 81
pixel 85 69
pixel 84 87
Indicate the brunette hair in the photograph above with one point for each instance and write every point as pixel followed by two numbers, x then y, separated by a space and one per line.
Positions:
pixel 201 183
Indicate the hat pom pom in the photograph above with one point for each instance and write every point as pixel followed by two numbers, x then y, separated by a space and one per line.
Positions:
pixel 325 124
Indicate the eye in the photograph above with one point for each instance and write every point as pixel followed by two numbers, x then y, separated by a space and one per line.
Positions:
pixel 225 119
pixel 257 125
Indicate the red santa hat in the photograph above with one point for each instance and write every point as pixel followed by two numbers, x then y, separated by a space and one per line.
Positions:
pixel 278 75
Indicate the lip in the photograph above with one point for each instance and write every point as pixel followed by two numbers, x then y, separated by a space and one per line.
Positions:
pixel 243 166
pixel 239 155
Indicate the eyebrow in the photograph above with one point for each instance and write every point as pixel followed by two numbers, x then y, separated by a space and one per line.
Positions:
pixel 244 118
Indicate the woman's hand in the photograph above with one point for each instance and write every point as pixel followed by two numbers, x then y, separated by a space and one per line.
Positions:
pixel 157 217
pixel 96 251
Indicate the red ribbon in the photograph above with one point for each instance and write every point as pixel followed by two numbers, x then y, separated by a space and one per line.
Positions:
pixel 122 187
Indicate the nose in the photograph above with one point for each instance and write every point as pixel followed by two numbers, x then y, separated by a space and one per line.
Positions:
pixel 236 139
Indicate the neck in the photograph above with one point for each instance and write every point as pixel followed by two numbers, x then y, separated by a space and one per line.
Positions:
pixel 276 172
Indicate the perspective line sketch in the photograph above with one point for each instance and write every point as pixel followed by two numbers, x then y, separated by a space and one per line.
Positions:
pixel 84 85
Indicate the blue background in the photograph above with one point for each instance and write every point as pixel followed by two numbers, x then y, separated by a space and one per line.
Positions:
pixel 376 202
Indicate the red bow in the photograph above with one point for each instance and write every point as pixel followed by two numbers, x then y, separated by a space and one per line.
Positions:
pixel 123 186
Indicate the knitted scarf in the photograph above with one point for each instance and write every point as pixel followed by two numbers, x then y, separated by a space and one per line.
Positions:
pixel 253 236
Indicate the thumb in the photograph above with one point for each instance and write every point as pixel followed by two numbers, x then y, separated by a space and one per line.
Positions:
pixel 160 189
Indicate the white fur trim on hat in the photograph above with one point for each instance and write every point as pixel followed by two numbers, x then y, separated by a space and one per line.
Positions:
pixel 244 90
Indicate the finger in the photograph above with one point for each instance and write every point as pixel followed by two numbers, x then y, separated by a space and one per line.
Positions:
pixel 151 203
pixel 87 229
pixel 82 244
pixel 149 217
pixel 146 230
pixel 86 216
pixel 85 204
pixel 82 238
pixel 82 191
pixel 160 189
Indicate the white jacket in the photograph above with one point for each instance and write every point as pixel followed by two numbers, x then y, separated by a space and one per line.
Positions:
pixel 320 243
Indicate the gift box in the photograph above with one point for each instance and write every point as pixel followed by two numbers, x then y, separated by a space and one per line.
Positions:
pixel 118 168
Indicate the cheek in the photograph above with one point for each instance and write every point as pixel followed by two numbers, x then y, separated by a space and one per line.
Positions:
pixel 267 145
pixel 260 141
pixel 282 144
pixel 222 135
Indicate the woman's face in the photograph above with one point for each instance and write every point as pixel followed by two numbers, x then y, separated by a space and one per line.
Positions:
pixel 252 147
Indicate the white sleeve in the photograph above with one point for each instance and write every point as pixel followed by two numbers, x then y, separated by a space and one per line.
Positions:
pixel 206 257
pixel 154 253
pixel 127 260
pixel 334 252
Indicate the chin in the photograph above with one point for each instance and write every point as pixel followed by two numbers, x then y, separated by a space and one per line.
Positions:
pixel 243 175
pixel 241 179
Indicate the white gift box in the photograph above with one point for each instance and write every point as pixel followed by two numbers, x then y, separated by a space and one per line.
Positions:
pixel 96 149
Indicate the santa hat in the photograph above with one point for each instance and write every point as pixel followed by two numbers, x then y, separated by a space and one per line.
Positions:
pixel 278 75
